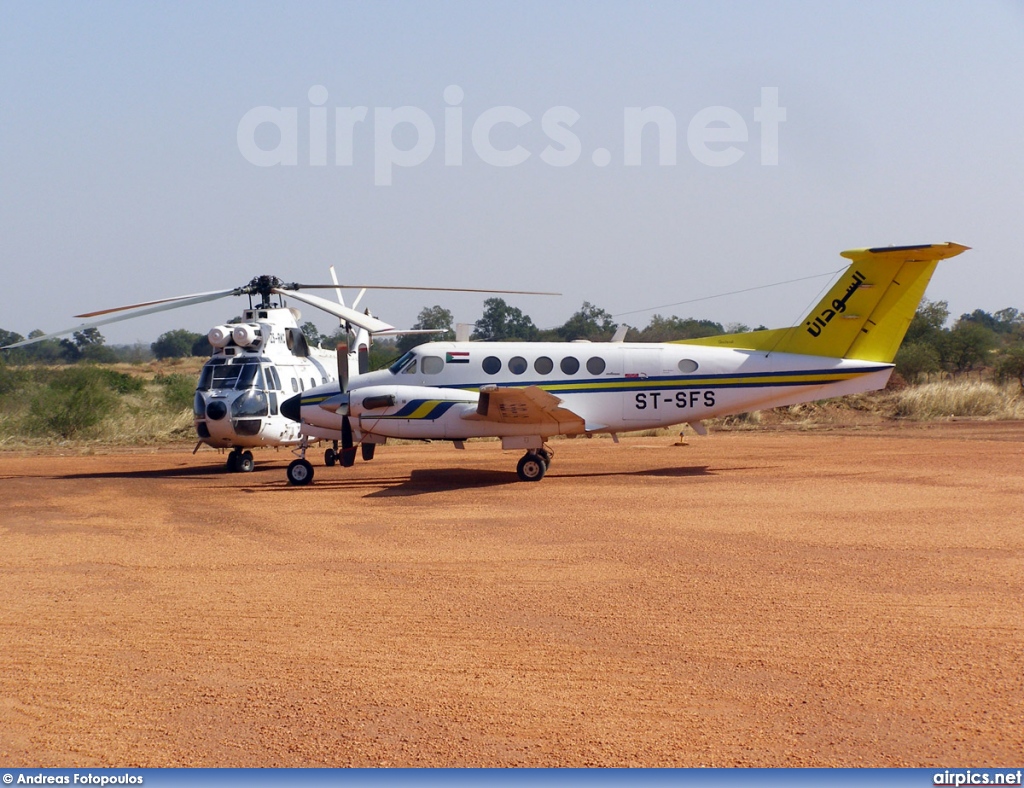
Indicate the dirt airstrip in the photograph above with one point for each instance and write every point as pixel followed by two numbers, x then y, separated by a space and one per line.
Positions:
pixel 842 597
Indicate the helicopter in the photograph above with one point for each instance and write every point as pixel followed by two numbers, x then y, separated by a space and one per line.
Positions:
pixel 264 359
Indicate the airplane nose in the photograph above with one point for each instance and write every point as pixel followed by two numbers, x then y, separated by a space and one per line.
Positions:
pixel 292 407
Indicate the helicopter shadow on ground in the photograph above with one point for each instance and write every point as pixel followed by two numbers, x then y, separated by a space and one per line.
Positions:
pixel 186 472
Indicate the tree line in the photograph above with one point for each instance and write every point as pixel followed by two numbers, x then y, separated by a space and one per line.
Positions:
pixel 976 341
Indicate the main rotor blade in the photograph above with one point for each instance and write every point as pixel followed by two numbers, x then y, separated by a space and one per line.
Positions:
pixel 171 303
pixel 432 289
pixel 164 305
pixel 371 324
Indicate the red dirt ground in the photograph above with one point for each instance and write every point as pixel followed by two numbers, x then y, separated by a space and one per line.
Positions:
pixel 849 597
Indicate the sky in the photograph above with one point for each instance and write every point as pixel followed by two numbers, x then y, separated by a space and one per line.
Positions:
pixel 160 149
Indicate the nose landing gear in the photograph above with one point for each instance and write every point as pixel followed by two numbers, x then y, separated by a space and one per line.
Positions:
pixel 240 461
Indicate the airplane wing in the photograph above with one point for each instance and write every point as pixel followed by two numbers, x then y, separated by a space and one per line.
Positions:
pixel 524 405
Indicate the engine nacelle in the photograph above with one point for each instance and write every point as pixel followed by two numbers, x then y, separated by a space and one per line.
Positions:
pixel 247 334
pixel 219 336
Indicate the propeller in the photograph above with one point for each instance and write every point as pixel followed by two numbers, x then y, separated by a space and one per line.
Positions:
pixel 348 449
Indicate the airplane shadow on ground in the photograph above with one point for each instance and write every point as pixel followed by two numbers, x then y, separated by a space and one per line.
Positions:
pixel 434 480
pixel 421 481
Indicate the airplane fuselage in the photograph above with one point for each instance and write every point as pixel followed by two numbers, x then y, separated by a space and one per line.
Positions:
pixel 435 390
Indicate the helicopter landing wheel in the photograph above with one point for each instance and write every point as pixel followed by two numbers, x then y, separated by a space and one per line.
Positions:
pixel 233 458
pixel 531 467
pixel 300 473
pixel 245 463
pixel 330 457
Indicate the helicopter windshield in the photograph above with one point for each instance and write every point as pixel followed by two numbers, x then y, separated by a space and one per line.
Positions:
pixel 231 376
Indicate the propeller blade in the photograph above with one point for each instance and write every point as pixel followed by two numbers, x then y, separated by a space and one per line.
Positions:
pixel 348 449
pixel 431 289
pixel 371 324
pixel 342 353
pixel 163 306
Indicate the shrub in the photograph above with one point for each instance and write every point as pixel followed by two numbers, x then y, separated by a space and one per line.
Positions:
pixel 74 400
pixel 179 390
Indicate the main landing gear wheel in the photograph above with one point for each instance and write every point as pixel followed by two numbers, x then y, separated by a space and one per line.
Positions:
pixel 300 473
pixel 330 457
pixel 547 456
pixel 531 467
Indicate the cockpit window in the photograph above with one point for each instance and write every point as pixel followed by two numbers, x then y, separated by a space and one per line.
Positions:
pixel 231 376
pixel 397 366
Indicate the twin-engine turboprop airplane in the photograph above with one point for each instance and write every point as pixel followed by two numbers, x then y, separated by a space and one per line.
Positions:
pixel 525 393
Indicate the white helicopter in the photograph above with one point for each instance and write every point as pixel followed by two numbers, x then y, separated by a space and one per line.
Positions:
pixel 525 393
pixel 259 362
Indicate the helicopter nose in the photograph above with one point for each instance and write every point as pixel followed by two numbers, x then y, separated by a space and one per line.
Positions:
pixel 292 407
pixel 216 410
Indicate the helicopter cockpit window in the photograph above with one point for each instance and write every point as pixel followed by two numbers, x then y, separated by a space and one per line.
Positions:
pixel 273 379
pixel 231 376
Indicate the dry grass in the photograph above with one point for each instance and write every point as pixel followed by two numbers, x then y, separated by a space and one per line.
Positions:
pixel 960 399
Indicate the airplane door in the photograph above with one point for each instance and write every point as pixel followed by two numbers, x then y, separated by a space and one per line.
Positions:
pixel 639 365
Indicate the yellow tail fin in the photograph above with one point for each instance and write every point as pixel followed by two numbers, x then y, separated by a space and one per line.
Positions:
pixel 866 313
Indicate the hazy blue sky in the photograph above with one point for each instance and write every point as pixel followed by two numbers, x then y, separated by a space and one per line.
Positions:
pixel 122 177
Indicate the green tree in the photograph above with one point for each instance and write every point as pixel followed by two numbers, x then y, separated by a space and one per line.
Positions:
pixel 9 338
pixel 501 322
pixel 312 334
pixel 46 351
pixel 1010 365
pixel 590 322
pixel 965 347
pixel 914 359
pixel 666 329
pixel 430 317
pixel 928 322
pixel 175 344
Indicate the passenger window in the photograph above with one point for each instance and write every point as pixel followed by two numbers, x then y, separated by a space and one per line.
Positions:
pixel 570 365
pixel 595 365
pixel 492 365
pixel 295 386
pixel 517 365
pixel 432 365
pixel 543 365
pixel 687 365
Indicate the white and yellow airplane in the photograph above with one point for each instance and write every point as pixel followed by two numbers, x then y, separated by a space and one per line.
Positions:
pixel 527 392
